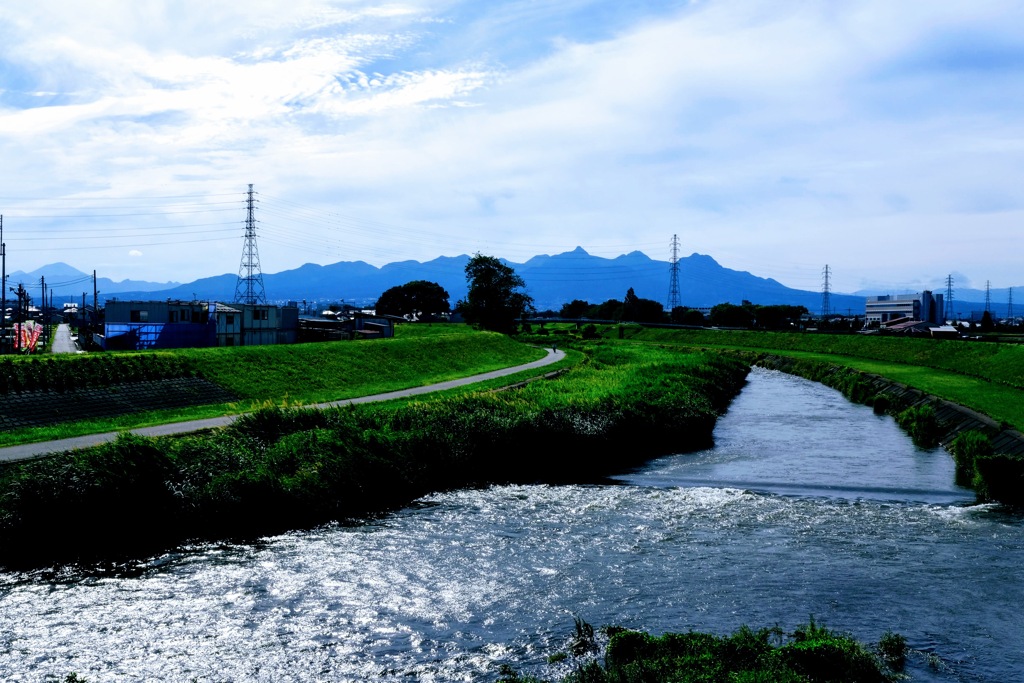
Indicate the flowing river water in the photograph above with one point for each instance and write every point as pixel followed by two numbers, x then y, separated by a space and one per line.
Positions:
pixel 807 505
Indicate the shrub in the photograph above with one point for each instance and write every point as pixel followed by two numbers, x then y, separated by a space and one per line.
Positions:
pixel 922 425
pixel 893 649
pixel 966 448
pixel 881 403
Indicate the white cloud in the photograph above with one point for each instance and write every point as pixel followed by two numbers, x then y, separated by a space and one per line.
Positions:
pixel 775 136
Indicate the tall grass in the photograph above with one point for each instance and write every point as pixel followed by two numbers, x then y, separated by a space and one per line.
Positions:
pixel 280 468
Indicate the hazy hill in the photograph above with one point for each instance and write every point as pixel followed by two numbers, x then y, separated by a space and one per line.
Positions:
pixel 67 281
pixel 551 279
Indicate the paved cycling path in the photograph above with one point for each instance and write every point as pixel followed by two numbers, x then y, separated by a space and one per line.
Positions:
pixel 34 450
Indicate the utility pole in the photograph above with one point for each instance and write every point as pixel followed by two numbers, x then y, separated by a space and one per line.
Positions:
pixel 826 293
pixel 3 289
pixel 42 310
pixel 673 281
pixel 949 298
pixel 95 301
pixel 249 287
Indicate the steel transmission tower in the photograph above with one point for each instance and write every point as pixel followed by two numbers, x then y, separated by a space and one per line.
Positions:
pixel 826 293
pixel 988 297
pixel 1009 303
pixel 673 281
pixel 949 298
pixel 249 288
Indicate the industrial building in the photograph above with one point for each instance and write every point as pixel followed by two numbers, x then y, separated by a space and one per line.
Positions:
pixel 924 306
pixel 137 325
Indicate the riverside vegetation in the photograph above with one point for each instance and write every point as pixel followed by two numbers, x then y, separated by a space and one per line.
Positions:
pixel 281 468
pixel 812 653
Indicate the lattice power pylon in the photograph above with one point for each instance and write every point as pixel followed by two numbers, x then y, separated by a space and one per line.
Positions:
pixel 249 287
pixel 673 279
pixel 826 292
pixel 949 298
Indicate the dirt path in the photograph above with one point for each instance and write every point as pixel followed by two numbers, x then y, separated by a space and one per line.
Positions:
pixel 35 450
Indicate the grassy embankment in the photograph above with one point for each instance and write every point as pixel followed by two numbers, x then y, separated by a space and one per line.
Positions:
pixel 986 377
pixel 298 374
pixel 281 468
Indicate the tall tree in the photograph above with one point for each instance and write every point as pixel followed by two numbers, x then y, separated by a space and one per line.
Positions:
pixel 495 300
pixel 418 299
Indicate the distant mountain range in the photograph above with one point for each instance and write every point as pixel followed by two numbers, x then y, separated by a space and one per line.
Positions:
pixel 551 281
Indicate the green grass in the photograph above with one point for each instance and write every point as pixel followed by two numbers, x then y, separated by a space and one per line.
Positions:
pixel 985 377
pixel 304 374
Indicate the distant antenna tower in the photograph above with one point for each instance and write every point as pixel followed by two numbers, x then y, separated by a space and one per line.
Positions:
pixel 673 281
pixel 1009 304
pixel 988 297
pixel 249 288
pixel 949 297
pixel 826 293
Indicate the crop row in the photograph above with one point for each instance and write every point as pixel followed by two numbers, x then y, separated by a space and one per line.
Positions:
pixel 88 372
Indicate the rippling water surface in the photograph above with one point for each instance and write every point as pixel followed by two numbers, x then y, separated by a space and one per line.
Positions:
pixel 807 505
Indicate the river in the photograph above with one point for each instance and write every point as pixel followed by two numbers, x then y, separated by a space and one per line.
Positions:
pixel 806 505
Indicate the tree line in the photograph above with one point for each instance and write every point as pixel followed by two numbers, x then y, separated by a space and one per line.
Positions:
pixel 496 300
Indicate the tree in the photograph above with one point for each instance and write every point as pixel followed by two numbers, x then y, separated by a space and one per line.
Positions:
pixel 637 309
pixel 418 299
pixel 574 309
pixel 731 315
pixel 494 301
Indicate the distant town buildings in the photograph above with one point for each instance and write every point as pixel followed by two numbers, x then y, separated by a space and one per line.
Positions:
pixel 138 325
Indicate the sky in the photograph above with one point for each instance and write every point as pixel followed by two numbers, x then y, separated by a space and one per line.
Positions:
pixel 882 139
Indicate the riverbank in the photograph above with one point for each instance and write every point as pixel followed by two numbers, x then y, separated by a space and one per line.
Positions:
pixel 993 464
pixel 282 468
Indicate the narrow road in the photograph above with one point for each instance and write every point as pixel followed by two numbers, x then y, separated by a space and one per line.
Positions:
pixel 62 342
pixel 35 450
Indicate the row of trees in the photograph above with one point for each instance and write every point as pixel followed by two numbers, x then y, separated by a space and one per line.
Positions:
pixel 496 301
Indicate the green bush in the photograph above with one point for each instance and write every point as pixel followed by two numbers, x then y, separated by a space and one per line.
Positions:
pixel 922 425
pixel 966 448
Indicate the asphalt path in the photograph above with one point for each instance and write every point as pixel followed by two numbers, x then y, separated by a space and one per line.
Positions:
pixel 35 450
pixel 62 342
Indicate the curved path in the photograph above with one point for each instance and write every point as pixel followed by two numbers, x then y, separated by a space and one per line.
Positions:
pixel 35 450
